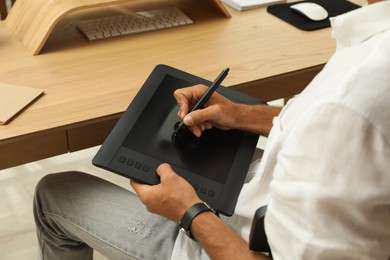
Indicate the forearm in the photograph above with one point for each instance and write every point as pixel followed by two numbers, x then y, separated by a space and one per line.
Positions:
pixel 219 240
pixel 257 119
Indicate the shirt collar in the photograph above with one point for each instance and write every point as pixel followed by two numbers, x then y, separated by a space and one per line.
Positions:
pixel 357 26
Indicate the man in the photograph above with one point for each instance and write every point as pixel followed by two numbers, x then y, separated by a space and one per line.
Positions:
pixel 324 173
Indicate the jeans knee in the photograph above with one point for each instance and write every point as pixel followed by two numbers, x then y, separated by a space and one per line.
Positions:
pixel 52 185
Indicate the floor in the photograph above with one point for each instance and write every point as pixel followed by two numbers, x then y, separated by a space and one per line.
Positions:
pixel 17 229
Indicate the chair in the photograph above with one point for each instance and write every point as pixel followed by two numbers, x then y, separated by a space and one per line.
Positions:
pixel 258 238
pixel 3 8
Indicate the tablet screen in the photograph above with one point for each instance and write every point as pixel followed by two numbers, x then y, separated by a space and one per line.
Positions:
pixel 211 156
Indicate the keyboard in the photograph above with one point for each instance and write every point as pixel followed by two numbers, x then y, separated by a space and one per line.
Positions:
pixel 126 24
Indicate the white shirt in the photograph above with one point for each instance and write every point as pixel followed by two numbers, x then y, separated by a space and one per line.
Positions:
pixel 325 173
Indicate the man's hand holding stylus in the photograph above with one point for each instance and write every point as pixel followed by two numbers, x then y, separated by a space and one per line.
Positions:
pixel 217 112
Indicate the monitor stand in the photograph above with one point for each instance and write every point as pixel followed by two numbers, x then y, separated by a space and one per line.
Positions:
pixel 32 21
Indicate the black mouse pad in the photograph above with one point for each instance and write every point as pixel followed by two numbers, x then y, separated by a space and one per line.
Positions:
pixel 334 8
pixel 215 164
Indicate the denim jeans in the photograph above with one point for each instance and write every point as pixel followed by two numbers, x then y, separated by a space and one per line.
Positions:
pixel 76 213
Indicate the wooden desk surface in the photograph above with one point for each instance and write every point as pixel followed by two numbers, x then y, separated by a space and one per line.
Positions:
pixel 89 84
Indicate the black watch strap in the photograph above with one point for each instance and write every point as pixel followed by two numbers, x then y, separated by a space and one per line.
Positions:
pixel 191 213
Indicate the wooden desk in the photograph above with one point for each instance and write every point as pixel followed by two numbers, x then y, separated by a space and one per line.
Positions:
pixel 89 84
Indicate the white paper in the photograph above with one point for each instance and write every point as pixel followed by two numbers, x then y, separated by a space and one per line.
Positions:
pixel 241 5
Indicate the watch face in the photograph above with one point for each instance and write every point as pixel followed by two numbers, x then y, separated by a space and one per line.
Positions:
pixel 188 233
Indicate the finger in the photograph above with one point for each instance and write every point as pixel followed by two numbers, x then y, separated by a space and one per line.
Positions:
pixel 186 97
pixel 163 168
pixel 164 171
pixel 139 188
pixel 193 93
pixel 184 108
pixel 195 130
pixel 134 184
pixel 200 116
pixel 188 120
pixel 208 125
pixel 183 99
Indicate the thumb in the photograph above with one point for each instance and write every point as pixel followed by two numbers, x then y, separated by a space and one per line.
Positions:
pixel 164 170
pixel 197 117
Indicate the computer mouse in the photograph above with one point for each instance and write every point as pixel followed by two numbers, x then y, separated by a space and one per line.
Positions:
pixel 312 11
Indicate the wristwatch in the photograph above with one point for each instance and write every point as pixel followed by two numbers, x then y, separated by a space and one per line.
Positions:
pixel 191 213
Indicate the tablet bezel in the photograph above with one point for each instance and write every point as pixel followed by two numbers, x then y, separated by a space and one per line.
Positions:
pixel 224 196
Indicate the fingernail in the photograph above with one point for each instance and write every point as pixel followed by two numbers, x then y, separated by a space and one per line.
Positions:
pixel 188 120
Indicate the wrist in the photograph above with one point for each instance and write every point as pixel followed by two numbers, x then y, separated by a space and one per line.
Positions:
pixel 256 118
pixel 188 217
pixel 246 117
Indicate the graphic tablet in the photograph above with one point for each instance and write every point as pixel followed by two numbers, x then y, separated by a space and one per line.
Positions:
pixel 215 164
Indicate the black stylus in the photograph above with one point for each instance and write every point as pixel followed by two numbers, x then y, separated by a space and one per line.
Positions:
pixel 206 96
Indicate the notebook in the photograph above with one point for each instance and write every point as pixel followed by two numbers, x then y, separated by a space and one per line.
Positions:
pixel 14 98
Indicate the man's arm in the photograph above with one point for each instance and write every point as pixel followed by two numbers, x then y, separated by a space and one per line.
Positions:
pixel 218 239
pixel 222 113
pixel 257 119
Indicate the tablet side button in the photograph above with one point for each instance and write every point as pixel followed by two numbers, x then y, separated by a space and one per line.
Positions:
pixel 196 186
pixel 138 165
pixel 145 168
pixel 211 193
pixel 130 162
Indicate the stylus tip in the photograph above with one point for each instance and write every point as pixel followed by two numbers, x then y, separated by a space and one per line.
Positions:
pixel 178 127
